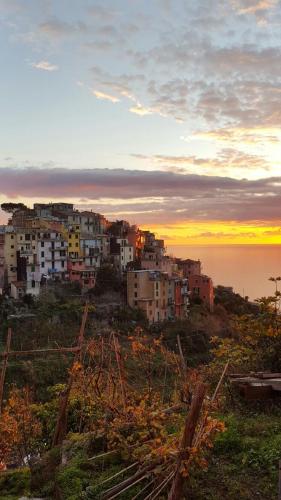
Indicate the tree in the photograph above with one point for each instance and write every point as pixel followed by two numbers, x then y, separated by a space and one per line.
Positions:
pixel 19 428
pixel 11 208
pixel 108 279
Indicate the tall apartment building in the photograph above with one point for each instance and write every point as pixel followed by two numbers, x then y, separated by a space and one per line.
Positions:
pixel 121 252
pixel 148 291
pixel 56 210
pixel 202 286
pixel 91 249
pixel 90 222
pixel 52 249
pixel 74 244
pixel 10 254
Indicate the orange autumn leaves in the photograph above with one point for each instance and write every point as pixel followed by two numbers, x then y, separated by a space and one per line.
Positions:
pixel 19 427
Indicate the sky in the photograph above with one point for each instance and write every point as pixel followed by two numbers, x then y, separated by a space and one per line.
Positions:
pixel 166 113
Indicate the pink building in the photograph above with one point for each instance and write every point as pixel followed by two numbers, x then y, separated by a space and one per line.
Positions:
pixel 79 272
pixel 202 286
pixel 189 267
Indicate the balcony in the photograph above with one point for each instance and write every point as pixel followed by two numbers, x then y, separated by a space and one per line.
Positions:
pixel 26 253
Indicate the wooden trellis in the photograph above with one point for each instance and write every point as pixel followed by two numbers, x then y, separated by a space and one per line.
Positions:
pixel 77 350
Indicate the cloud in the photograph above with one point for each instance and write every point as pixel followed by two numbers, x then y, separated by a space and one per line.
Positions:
pixel 106 97
pixel 178 197
pixel 227 160
pixel 254 6
pixel 237 135
pixel 55 28
pixel 140 110
pixel 222 235
pixel 45 66
pixel 102 13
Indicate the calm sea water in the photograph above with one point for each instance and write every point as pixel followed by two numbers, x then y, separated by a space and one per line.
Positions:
pixel 244 267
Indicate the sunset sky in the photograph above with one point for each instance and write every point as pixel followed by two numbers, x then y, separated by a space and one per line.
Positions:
pixel 164 112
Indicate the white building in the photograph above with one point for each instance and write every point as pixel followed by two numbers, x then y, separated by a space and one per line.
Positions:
pixel 91 249
pixel 126 253
pixel 52 253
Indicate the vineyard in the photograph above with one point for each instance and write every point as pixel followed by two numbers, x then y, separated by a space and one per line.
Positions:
pixel 130 418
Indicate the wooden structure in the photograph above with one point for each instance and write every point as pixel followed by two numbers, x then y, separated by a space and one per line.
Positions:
pixel 260 385
pixel 77 350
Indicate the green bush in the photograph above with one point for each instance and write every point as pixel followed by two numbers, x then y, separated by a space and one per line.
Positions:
pixel 16 482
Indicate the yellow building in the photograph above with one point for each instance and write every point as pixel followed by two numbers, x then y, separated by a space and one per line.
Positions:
pixel 149 291
pixel 74 243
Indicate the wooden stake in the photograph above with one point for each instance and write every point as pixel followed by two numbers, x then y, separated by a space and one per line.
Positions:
pixel 187 439
pixel 4 367
pixel 279 485
pixel 220 382
pixel 118 359
pixel 61 424
pixel 183 363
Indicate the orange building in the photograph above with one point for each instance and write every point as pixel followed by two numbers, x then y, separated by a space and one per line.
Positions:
pixel 202 286
pixel 181 299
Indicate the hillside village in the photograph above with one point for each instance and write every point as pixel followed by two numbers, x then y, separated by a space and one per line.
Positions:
pixel 56 243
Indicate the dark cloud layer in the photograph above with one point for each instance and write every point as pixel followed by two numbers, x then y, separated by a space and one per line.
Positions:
pixel 154 195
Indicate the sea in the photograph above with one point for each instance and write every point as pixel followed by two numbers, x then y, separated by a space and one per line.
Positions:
pixel 246 268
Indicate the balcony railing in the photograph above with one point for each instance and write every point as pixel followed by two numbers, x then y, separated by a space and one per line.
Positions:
pixel 26 252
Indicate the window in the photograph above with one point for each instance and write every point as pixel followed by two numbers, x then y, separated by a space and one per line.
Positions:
pixel 76 236
pixel 62 244
pixel 53 264
pixel 70 244
pixel 12 236
pixel 136 285
pixel 42 243
pixel 77 244
pixel 156 303
pixel 42 264
pixel 33 283
pixel 62 263
pixel 136 302
pixel 136 294
pixel 12 246
pixel 42 254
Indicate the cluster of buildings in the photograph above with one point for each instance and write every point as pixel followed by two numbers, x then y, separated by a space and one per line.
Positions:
pixel 56 242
